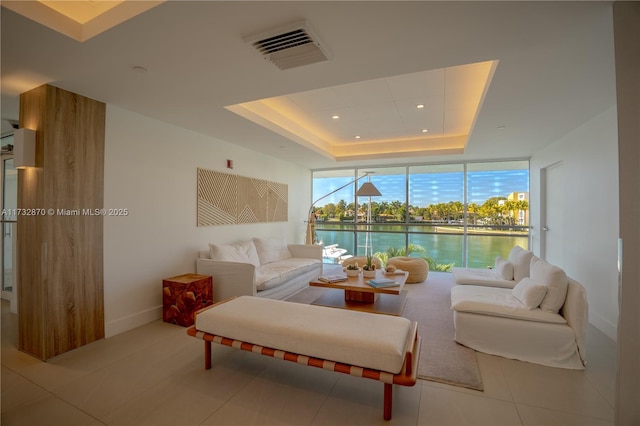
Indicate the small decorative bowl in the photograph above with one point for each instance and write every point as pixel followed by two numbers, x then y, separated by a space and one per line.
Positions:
pixel 352 272
pixel 369 274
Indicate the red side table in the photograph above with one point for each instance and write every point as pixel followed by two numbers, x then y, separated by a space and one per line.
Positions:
pixel 183 295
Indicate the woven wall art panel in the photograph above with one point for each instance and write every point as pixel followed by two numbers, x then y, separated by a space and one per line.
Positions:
pixel 226 199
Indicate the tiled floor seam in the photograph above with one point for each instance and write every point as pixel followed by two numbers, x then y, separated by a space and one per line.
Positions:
pixel 53 395
pixel 204 422
pixel 571 413
pixel 326 397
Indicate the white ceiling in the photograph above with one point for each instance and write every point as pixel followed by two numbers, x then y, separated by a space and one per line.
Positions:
pixel 424 113
pixel 554 71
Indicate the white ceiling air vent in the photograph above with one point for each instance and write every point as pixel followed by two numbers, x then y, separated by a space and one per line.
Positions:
pixel 291 46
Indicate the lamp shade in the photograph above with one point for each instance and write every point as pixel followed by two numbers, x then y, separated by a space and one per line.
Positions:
pixel 24 148
pixel 368 190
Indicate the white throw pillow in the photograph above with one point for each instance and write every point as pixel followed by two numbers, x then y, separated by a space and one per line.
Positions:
pixel 244 252
pixel 503 269
pixel 554 279
pixel 529 293
pixel 271 250
pixel 520 259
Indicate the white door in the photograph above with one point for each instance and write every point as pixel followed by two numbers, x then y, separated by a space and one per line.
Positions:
pixel 552 191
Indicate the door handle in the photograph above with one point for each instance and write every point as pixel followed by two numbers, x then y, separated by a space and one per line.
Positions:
pixel 545 228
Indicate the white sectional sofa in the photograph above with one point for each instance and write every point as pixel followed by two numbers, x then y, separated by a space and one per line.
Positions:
pixel 541 320
pixel 261 267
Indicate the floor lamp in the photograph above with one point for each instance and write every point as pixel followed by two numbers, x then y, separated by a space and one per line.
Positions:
pixel 368 190
pixel 311 218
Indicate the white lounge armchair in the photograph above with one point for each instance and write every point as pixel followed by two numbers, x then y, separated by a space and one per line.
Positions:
pixel 541 320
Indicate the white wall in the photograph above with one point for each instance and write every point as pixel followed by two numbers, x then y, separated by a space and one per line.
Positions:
pixel 150 169
pixel 589 155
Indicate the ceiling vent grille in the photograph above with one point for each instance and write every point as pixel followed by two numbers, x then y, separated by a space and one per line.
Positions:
pixel 290 47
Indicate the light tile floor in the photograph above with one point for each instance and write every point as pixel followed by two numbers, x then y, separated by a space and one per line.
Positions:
pixel 154 375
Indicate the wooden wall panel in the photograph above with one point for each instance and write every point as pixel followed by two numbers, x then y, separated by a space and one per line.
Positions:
pixel 30 229
pixel 225 199
pixel 251 200
pixel 69 242
pixel 278 203
pixel 216 198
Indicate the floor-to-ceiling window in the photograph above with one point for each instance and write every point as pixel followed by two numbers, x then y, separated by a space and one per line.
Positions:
pixel 497 210
pixel 436 199
pixel 335 211
pixel 384 228
pixel 461 214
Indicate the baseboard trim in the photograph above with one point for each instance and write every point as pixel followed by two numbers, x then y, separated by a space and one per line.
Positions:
pixel 610 330
pixel 120 325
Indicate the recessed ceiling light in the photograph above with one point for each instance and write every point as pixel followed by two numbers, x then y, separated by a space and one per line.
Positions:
pixel 425 130
pixel 335 117
pixel 357 136
pixel 420 106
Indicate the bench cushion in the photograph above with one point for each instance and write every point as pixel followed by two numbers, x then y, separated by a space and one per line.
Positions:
pixel 357 338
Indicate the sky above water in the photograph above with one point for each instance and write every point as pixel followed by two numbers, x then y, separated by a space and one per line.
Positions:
pixel 429 188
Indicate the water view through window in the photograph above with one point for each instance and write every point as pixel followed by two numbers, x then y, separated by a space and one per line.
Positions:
pixel 461 214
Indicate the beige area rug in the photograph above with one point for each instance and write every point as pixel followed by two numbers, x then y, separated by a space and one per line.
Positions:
pixel 441 358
